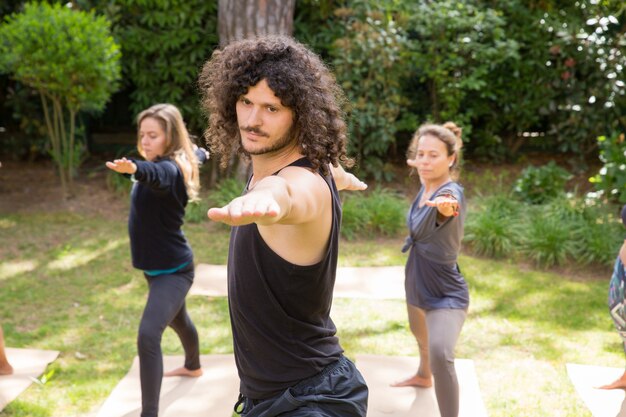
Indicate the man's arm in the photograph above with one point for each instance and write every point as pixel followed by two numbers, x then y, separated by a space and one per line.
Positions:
pixel 622 253
pixel 296 195
pixel 346 181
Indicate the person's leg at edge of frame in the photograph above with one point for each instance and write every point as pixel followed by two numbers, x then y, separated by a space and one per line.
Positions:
pixel 444 326
pixel 417 324
pixel 5 366
pixel 165 299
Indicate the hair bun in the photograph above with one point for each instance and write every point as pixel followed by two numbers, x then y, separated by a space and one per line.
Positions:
pixel 457 131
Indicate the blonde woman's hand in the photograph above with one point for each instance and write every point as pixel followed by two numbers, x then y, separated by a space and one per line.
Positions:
pixel 122 166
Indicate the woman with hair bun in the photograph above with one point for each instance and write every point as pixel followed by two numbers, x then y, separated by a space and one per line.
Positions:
pixel 436 292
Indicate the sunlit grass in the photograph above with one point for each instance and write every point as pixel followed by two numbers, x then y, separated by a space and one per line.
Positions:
pixel 523 325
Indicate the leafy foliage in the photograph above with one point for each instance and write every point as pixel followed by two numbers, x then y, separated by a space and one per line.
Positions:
pixel 164 45
pixel 493 229
pixel 379 212
pixel 225 191
pixel 366 58
pixel 453 47
pixel 71 59
pixel 611 180
pixel 537 185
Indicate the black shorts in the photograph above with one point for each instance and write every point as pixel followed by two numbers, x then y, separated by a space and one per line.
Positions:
pixel 339 390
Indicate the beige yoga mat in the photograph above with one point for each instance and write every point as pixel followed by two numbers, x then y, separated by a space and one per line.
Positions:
pixel 213 394
pixel 28 365
pixel 386 401
pixel 385 282
pixel 601 403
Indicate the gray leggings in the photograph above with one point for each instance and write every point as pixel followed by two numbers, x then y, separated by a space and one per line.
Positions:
pixel 437 332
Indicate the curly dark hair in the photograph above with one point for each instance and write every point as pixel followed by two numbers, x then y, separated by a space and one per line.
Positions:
pixel 296 75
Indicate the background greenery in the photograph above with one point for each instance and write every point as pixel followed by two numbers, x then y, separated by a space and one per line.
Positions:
pixel 519 76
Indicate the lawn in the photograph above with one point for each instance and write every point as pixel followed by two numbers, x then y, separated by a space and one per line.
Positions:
pixel 66 284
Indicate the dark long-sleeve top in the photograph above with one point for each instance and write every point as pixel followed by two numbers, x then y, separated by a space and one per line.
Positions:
pixel 157 210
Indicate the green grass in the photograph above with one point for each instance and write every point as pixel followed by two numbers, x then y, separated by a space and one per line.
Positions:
pixel 66 284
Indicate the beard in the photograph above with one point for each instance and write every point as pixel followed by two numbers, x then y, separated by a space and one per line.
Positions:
pixel 278 145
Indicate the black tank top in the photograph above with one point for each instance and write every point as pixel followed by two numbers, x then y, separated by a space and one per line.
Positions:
pixel 280 312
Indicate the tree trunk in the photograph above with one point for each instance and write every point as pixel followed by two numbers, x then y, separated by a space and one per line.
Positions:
pixel 241 19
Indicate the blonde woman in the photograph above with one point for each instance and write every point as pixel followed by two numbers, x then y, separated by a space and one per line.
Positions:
pixel 436 292
pixel 164 182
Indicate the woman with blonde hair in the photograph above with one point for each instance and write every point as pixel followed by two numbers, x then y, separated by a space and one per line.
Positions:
pixel 163 184
pixel 437 294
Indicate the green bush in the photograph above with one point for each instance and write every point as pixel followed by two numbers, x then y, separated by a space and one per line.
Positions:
pixel 118 184
pixel 546 240
pixel 379 212
pixel 367 63
pixel 196 212
pixel 164 44
pixel 610 182
pixel 453 46
pixel 225 191
pixel 537 185
pixel 562 229
pixel 71 59
pixel 493 229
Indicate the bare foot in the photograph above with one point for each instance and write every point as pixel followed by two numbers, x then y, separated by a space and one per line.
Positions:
pixel 6 369
pixel 617 384
pixel 415 381
pixel 182 371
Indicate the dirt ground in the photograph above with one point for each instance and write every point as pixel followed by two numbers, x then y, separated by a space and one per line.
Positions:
pixel 35 187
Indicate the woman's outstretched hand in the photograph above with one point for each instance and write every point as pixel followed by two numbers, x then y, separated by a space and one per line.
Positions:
pixel 122 166
pixel 447 206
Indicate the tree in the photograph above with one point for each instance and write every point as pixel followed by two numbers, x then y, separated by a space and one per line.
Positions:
pixel 71 60
pixel 241 19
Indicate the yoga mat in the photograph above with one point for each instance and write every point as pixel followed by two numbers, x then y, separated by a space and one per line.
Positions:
pixel 386 401
pixel 213 394
pixel 601 403
pixel 28 364
pixel 386 282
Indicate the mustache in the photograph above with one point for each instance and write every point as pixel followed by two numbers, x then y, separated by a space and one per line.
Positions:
pixel 254 130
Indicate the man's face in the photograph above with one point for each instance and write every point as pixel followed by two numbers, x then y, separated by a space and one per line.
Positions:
pixel 264 123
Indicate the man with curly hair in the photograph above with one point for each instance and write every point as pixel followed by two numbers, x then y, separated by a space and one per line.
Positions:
pixel 273 101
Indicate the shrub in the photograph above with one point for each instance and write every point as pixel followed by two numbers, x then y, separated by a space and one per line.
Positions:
pixel 611 180
pixel 368 67
pixel 537 185
pixel 196 212
pixel 599 234
pixel 118 184
pixel 225 191
pixel 546 240
pixel 493 229
pixel 380 212
pixel 453 48
pixel 71 59
pixel 164 44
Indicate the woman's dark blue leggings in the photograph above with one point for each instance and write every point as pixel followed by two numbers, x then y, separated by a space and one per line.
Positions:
pixel 165 307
